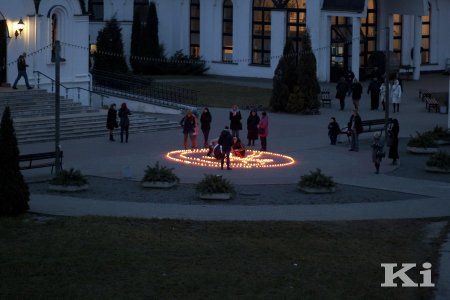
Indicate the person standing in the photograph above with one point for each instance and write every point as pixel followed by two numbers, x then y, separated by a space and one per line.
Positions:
pixel 393 132
pixel 252 127
pixel 377 151
pixel 383 95
pixel 333 130
pixel 226 142
pixel 263 130
pixel 124 112
pixel 349 78
pixel 357 90
pixel 205 121
pixel 196 130
pixel 396 97
pixel 374 90
pixel 22 71
pixel 111 121
pixel 235 121
pixel 355 128
pixel 341 91
pixel 188 124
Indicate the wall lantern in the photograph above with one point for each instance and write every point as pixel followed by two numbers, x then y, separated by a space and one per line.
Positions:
pixel 20 26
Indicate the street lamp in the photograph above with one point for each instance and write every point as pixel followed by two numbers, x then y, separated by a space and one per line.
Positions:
pixel 20 26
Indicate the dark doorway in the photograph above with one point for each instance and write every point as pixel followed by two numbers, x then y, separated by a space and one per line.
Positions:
pixel 3 40
pixel 341 47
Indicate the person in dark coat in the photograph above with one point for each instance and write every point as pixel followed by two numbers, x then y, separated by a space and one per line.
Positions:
pixel 111 120
pixel 238 148
pixel 355 128
pixel 393 132
pixel 333 130
pixel 205 121
pixel 374 91
pixel 124 112
pixel 226 142
pixel 263 130
pixel 341 92
pixel 349 76
pixel 377 151
pixel 357 90
pixel 252 127
pixel 188 124
pixel 22 71
pixel 235 121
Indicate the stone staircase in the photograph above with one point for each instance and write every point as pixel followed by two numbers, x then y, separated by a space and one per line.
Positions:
pixel 33 112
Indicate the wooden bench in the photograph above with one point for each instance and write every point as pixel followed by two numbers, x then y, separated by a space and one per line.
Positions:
pixel 325 97
pixel 431 103
pixel 369 126
pixel 424 93
pixel 43 160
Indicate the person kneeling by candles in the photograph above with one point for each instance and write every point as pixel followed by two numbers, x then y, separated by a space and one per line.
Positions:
pixel 238 149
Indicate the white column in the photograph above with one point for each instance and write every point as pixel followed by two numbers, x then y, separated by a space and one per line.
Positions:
pixel 417 46
pixel 356 37
pixel 391 32
pixel 278 36
pixel 323 60
pixel 448 104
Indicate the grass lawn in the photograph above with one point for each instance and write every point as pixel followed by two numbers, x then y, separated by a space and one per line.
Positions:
pixel 117 258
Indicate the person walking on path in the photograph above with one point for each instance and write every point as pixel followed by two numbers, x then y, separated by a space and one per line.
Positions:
pixel 349 78
pixel 124 112
pixel 235 121
pixel 22 71
pixel 341 92
pixel 393 132
pixel 226 142
pixel 374 90
pixel 111 121
pixel 377 151
pixel 396 95
pixel 333 130
pixel 383 95
pixel 188 124
pixel 263 130
pixel 252 127
pixel 357 90
pixel 205 121
pixel 355 128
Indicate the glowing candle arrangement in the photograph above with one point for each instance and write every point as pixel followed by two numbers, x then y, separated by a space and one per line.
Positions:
pixel 253 159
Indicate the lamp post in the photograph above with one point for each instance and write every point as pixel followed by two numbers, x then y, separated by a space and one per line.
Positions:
pixel 57 107
pixel 386 83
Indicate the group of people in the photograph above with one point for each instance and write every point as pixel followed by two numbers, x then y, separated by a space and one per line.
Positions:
pixel 354 128
pixel 123 123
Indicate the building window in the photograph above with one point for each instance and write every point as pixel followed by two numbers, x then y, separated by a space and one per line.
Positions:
pixel 95 10
pixel 397 35
pixel 227 31
pixel 426 31
pixel 261 29
pixel 296 22
pixel 368 34
pixel 195 28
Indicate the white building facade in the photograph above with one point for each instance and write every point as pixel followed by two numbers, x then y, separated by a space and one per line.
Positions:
pixel 43 23
pixel 246 37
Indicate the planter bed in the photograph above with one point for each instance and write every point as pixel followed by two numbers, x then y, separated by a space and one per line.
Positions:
pixel 158 184
pixel 317 190
pixel 436 170
pixel 419 150
pixel 67 188
pixel 216 196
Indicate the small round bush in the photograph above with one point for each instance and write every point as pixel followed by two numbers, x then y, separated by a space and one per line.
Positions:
pixel 439 160
pixel 212 184
pixel 316 179
pixel 71 177
pixel 160 173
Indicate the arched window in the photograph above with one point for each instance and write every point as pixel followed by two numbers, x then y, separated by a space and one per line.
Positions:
pixel 296 22
pixel 195 28
pixel 261 30
pixel 368 34
pixel 227 31
pixel 95 8
pixel 426 32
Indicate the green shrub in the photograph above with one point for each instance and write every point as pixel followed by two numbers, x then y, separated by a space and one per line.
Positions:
pixel 424 140
pixel 160 173
pixel 214 184
pixel 439 160
pixel 71 177
pixel 439 133
pixel 316 179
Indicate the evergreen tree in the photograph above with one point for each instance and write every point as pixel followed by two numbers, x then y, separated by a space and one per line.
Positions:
pixel 295 102
pixel 109 55
pixel 136 39
pixel 151 47
pixel 308 84
pixel 14 194
pixel 285 78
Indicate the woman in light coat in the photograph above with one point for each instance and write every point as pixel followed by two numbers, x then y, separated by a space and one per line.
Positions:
pixel 396 95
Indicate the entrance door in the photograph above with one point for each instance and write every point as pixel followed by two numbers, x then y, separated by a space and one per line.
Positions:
pixel 3 39
pixel 341 47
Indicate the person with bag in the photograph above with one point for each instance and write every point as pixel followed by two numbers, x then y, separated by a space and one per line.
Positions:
pixel 393 132
pixel 111 121
pixel 341 91
pixel 355 128
pixel 225 142
pixel 235 121
pixel 263 130
pixel 377 151
pixel 205 121
pixel 333 130
pixel 124 112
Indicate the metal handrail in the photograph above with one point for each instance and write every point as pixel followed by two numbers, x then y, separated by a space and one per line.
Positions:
pixel 102 95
